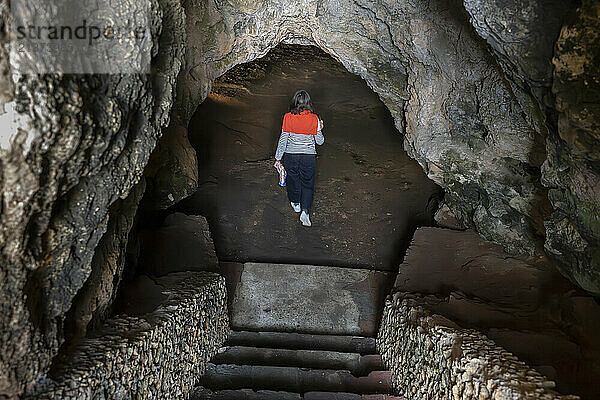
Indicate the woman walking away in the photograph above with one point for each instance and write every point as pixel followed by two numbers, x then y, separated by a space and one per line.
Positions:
pixel 300 131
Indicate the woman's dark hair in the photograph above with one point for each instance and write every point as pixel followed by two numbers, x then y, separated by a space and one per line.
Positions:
pixel 301 101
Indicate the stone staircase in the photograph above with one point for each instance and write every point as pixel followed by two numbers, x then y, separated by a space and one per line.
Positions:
pixel 300 332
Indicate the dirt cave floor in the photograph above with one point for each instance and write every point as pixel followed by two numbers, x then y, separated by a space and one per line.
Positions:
pixel 369 194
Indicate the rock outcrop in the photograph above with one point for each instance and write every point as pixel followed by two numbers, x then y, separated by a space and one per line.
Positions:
pixel 572 169
pixel 83 143
pixel 551 47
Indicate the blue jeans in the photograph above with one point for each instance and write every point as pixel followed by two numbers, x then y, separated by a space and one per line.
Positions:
pixel 300 181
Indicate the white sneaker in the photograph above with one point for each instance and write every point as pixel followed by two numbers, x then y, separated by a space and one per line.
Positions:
pixel 295 206
pixel 305 219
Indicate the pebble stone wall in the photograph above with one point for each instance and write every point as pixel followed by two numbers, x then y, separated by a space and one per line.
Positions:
pixel 431 357
pixel 158 356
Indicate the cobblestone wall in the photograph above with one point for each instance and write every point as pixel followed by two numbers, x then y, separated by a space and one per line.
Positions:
pixel 431 357
pixel 158 356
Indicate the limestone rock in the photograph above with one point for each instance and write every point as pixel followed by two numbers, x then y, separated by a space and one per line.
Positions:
pixel 92 303
pixel 445 218
pixel 571 169
pixel 522 34
pixel 88 141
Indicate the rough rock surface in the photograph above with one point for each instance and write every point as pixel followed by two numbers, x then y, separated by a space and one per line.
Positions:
pixel 572 169
pixel 427 353
pixel 155 356
pixel 522 34
pixel 445 218
pixel 84 144
pixel 182 243
pixel 93 301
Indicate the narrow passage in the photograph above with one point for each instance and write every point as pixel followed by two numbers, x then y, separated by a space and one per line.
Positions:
pixel 369 195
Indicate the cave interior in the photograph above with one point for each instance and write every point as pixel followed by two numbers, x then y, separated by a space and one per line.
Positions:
pixel 148 250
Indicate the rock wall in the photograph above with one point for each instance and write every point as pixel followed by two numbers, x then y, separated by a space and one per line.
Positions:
pixel 522 35
pixel 182 243
pixel 94 300
pixel 83 144
pixel 427 353
pixel 157 356
pixel 572 169
pixel 551 48
pixel 172 171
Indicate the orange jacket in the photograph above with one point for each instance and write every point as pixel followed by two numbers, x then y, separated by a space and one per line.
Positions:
pixel 305 123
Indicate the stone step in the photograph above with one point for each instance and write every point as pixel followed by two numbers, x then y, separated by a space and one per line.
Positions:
pixel 303 341
pixel 356 364
pixel 293 379
pixel 242 394
pixel 249 394
pixel 348 396
pixel 308 299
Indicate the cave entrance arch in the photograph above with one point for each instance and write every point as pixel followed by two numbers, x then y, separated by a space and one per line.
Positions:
pixel 369 196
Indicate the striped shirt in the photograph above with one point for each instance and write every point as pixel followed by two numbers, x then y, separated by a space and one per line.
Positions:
pixel 299 143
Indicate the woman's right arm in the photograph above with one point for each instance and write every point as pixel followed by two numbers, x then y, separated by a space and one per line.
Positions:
pixel 320 139
pixel 281 145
